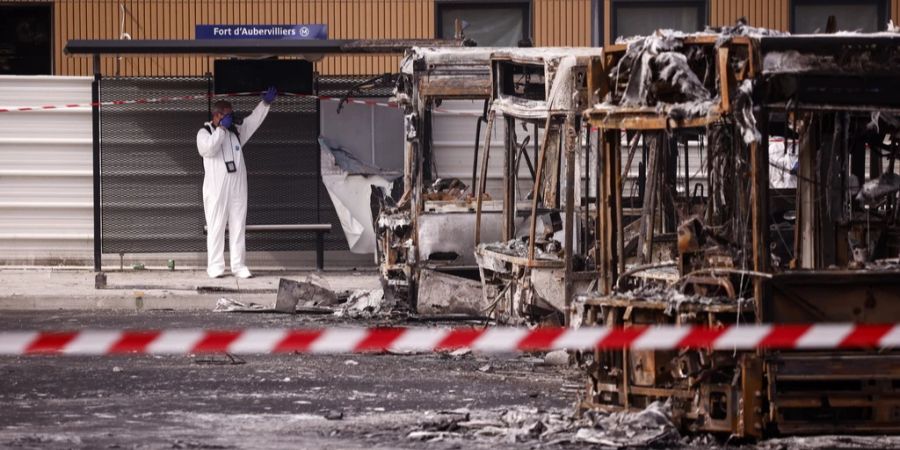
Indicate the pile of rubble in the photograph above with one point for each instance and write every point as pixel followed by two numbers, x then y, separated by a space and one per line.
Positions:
pixel 314 295
pixel 651 427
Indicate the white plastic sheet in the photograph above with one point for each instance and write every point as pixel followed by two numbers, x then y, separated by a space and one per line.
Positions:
pixel 349 183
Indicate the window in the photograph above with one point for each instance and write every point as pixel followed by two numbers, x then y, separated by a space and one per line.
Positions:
pixel 25 40
pixel 640 18
pixel 811 16
pixel 489 24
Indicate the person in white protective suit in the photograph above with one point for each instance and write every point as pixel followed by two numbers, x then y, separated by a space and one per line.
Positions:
pixel 220 143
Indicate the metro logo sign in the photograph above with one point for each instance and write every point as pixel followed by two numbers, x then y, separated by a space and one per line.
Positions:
pixel 275 32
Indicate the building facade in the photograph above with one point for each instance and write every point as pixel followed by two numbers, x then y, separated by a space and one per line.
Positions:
pixel 34 33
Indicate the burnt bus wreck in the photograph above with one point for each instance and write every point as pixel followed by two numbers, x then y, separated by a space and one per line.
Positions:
pixel 790 216
pixel 424 238
pixel 538 264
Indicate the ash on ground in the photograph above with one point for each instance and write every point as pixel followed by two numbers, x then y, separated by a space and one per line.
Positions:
pixel 650 427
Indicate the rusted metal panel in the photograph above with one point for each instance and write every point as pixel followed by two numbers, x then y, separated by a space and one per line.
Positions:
pixel 833 393
pixel 833 296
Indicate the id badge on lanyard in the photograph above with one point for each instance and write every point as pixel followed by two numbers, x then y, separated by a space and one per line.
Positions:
pixel 230 166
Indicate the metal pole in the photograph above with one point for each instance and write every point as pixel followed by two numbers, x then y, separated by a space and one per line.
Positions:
pixel 320 251
pixel 482 182
pixel 481 119
pixel 320 240
pixel 570 141
pixel 759 206
pixel 586 195
pixel 209 95
pixel 475 158
pixel 509 180
pixel 95 136
pixel 538 180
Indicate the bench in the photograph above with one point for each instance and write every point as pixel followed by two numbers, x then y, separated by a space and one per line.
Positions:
pixel 319 228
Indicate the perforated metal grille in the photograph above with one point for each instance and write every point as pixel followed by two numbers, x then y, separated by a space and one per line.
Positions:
pixel 151 174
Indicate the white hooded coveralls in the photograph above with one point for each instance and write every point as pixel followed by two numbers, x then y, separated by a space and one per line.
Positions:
pixel 225 194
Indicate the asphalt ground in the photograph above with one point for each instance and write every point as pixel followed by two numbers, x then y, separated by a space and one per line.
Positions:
pixel 263 401
pixel 371 401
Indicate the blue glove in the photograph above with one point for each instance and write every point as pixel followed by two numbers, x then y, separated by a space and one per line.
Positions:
pixel 226 121
pixel 269 95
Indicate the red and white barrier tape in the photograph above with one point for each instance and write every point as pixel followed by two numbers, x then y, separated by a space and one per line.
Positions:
pixel 355 101
pixel 487 340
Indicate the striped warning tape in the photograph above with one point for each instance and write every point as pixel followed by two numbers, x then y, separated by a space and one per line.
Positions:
pixel 486 340
pixel 141 101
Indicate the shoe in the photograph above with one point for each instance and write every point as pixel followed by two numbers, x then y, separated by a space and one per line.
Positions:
pixel 243 273
pixel 216 274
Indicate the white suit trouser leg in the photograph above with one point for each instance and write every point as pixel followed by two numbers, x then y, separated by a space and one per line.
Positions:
pixel 237 220
pixel 227 209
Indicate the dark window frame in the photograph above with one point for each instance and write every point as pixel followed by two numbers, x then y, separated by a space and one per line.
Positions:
pixel 51 29
pixel 883 10
pixel 702 11
pixel 525 5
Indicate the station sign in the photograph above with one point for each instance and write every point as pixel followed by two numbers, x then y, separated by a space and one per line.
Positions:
pixel 274 32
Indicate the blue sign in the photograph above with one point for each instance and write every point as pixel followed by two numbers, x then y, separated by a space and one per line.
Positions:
pixel 277 32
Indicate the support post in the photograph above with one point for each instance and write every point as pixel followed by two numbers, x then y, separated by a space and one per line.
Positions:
pixel 320 251
pixel 320 240
pixel 585 201
pixel 651 198
pixel 95 136
pixel 759 205
pixel 481 119
pixel 599 200
pixel 571 137
pixel 617 213
pixel 509 181
pixel 538 180
pixel 482 182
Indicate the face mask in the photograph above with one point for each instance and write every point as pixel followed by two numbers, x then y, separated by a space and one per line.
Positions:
pixel 235 121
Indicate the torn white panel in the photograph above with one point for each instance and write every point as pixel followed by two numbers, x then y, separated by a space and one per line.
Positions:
pixel 349 183
pixel 455 233
pixel 445 233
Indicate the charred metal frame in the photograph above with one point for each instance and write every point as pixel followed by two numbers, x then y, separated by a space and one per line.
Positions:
pixel 528 286
pixel 840 98
pixel 427 78
pixel 703 399
pixel 836 81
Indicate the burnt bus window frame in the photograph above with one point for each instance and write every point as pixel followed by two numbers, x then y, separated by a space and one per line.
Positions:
pixel 51 31
pixel 525 6
pixel 616 5
pixel 882 5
